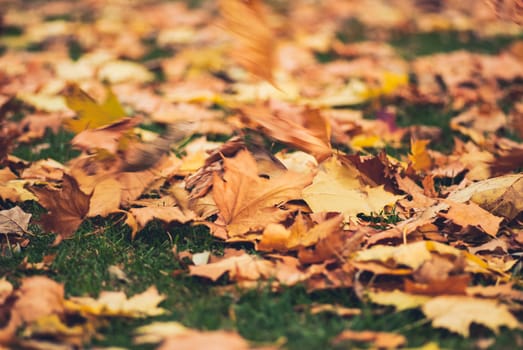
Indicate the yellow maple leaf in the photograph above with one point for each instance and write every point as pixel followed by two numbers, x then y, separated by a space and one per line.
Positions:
pixel 339 188
pixel 91 114
pixel 457 313
pixel 117 304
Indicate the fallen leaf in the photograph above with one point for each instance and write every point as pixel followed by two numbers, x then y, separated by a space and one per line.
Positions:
pixel 156 332
pixel 419 157
pixel 381 340
pixel 248 202
pixel 471 214
pixel 165 214
pixel 400 300
pixel 277 237
pixel 334 309
pixel 106 198
pixel 209 340
pixel 67 207
pixel 338 188
pixel 457 313
pixel 117 304
pixel 243 267
pixel 14 221
pixel 91 115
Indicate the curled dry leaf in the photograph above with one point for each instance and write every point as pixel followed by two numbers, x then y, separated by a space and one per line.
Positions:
pixel 14 221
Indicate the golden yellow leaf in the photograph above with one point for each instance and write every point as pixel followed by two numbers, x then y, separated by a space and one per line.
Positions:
pixel 457 313
pixel 117 304
pixel 339 188
pixel 419 158
pixel 91 115
pixel 400 300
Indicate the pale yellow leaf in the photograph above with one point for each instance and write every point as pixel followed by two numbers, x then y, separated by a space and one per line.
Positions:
pixel 457 313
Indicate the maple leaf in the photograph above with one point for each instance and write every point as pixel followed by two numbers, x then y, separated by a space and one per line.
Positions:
pixel 117 304
pixel 67 207
pixel 457 313
pixel 338 188
pixel 248 202
pixel 91 115
pixel 255 41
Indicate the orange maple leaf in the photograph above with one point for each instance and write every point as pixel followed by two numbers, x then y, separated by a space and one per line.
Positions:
pixel 248 202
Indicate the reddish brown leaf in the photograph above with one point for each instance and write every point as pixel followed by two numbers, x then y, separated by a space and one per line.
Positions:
pixel 67 207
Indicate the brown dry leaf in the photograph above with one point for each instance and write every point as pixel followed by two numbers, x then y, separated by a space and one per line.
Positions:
pixel 110 138
pixel 67 207
pixel 256 43
pixel 14 221
pixel 106 198
pixel 165 214
pixel 339 188
pixel 471 214
pixel 457 313
pixel 381 340
pixel 277 237
pixel 117 304
pixel 242 267
pixel 36 298
pixel 248 202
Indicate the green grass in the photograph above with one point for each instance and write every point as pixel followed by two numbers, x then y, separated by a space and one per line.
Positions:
pixel 260 315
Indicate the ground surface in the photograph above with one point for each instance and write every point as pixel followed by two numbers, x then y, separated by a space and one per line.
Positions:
pixel 135 135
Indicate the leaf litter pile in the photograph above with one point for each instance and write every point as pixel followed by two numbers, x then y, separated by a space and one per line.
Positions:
pixel 296 143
